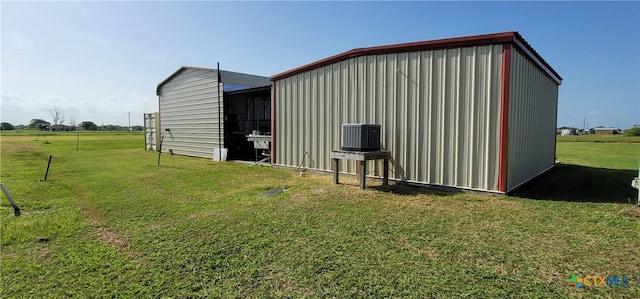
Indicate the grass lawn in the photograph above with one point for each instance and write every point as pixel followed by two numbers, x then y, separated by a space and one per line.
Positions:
pixel 592 168
pixel 109 222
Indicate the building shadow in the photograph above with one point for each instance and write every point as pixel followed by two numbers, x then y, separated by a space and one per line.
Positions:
pixel 404 188
pixel 575 183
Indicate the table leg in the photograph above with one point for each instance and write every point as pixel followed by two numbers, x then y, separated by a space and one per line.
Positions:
pixel 363 172
pixel 385 172
pixel 336 165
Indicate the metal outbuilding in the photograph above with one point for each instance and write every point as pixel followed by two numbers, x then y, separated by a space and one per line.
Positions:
pixel 600 130
pixel 189 118
pixel 476 112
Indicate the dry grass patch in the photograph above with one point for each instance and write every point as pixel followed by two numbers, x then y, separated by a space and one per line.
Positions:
pixel 633 213
pixel 112 237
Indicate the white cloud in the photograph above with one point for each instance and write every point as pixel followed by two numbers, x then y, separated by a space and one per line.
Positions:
pixel 593 112
pixel 10 99
pixel 18 109
pixel 139 100
pixel 115 109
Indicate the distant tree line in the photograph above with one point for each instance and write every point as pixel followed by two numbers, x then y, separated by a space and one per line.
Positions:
pixel 90 126
pixel 58 117
pixel 43 125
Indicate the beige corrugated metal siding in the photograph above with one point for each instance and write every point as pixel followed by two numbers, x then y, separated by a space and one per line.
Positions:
pixel 151 130
pixel 532 121
pixel 439 112
pixel 189 109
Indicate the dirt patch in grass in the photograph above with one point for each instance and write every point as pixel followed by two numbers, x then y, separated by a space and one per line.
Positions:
pixel 115 239
pixel 39 252
pixel 299 197
pixel 633 213
pixel 209 214
pixel 112 237
pixel 19 147
pixel 93 216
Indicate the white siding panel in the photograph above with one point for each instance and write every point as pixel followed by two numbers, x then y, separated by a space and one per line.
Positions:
pixel 189 109
pixel 532 121
pixel 151 130
pixel 439 112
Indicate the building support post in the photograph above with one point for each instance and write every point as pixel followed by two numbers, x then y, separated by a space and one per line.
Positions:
pixel 363 173
pixel 336 165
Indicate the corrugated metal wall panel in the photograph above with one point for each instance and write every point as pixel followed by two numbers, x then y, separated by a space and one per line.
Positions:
pixel 532 121
pixel 151 130
pixel 189 109
pixel 438 110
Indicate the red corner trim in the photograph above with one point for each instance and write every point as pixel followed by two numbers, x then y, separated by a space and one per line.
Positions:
pixel 273 123
pixel 503 152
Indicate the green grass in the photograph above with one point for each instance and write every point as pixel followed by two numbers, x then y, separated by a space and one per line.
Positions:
pixel 35 133
pixel 110 223
pixel 599 138
pixel 600 155
pixel 592 168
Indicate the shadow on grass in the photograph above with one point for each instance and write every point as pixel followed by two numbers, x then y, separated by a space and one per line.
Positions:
pixel 409 189
pixel 575 183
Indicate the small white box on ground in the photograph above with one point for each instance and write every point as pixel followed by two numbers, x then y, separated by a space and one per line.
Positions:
pixel 217 156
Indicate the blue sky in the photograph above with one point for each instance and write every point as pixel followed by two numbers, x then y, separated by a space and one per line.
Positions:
pixel 98 61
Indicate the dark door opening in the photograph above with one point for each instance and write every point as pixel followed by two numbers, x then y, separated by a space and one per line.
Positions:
pixel 246 112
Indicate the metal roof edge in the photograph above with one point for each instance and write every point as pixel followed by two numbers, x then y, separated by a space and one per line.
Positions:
pixel 249 89
pixel 182 68
pixel 531 53
pixel 223 72
pixel 174 74
pixel 473 40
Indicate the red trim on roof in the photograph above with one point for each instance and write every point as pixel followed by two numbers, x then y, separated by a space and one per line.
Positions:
pixel 503 151
pixel 466 41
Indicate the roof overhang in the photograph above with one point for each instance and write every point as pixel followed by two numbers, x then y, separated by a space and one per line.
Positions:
pixel 511 37
pixel 178 71
pixel 259 89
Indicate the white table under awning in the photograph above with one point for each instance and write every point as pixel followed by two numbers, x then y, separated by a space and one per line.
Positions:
pixel 261 142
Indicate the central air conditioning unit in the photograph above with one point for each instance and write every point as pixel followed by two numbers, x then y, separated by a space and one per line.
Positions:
pixel 360 137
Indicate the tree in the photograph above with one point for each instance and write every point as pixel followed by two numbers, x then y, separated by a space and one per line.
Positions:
pixel 72 121
pixel 113 128
pixel 6 126
pixel 634 131
pixel 39 124
pixel 88 125
pixel 57 115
